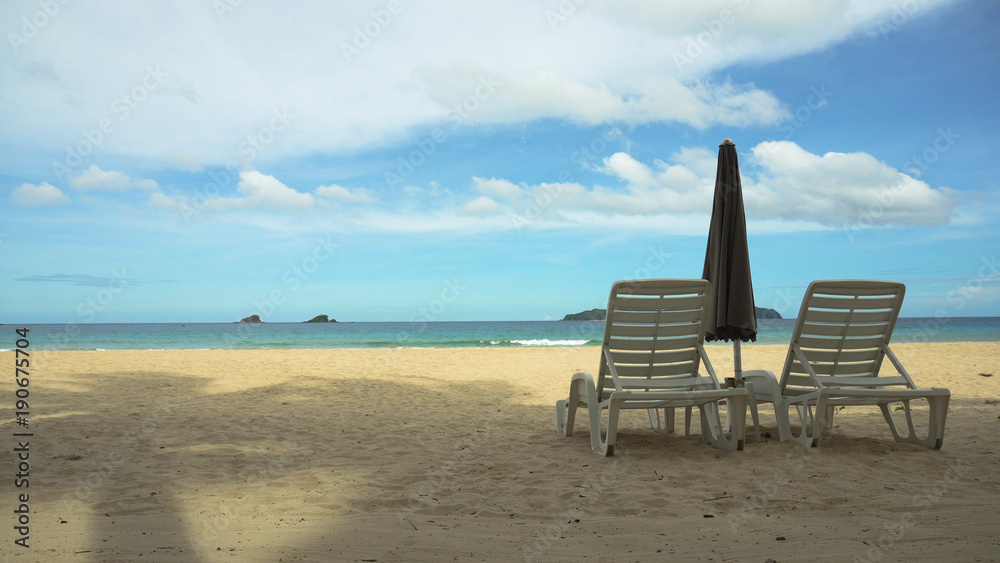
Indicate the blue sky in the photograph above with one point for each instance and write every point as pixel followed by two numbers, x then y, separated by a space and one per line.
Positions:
pixel 393 161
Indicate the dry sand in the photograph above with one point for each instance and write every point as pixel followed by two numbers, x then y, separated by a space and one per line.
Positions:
pixel 440 455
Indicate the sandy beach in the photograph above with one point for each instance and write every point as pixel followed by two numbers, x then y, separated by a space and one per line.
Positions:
pixel 452 454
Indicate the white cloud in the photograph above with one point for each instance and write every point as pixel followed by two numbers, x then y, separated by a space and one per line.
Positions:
pixel 94 178
pixel 340 193
pixel 259 191
pixel 607 62
pixel 433 189
pixel 791 190
pixel 482 206
pixel 159 200
pixel 183 160
pixel 266 192
pixel 473 94
pixel 785 189
pixel 629 169
pixel 44 194
pixel 841 189
pixel 502 189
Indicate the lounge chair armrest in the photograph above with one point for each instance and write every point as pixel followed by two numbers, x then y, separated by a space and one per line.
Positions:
pixel 588 383
pixel 765 384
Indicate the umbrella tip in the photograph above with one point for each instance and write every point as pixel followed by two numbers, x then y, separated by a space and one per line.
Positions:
pixel 728 141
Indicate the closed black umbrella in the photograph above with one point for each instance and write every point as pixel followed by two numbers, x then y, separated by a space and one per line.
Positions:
pixel 727 261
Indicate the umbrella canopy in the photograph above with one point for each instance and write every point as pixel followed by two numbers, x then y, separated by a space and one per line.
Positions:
pixel 727 259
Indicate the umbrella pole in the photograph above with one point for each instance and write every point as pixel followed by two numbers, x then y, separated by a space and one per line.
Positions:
pixel 738 362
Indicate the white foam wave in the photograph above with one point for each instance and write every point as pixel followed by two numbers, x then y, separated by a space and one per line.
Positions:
pixel 547 342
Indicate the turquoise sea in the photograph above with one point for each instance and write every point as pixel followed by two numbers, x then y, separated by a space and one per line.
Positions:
pixel 191 336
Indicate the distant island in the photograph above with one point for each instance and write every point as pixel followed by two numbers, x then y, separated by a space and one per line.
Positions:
pixel 601 314
pixel 765 313
pixel 321 319
pixel 251 319
pixel 591 315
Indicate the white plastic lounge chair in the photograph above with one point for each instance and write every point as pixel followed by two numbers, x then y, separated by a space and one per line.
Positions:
pixel 652 350
pixel 841 337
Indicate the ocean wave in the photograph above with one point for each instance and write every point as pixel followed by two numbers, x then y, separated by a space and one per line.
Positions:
pixel 547 342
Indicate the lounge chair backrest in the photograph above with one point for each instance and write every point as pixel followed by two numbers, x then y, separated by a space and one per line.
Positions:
pixel 653 335
pixel 842 334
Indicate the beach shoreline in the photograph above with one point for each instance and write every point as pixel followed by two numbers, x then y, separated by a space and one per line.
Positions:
pixel 425 454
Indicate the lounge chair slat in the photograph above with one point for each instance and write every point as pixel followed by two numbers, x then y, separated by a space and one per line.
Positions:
pixel 658 303
pixel 849 381
pixel 863 355
pixel 822 302
pixel 839 343
pixel 640 287
pixel 649 343
pixel 655 357
pixel 857 287
pixel 840 329
pixel 843 316
pixel 665 383
pixel 847 368
pixel 650 331
pixel 654 370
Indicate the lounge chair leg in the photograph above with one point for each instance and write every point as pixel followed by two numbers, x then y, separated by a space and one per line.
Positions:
pixel 806 421
pixel 561 416
pixel 712 431
pixel 781 410
pixel 664 424
pixel 571 416
pixel 607 446
pixel 564 419
pixel 935 431
pixel 752 402
pixel 821 422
